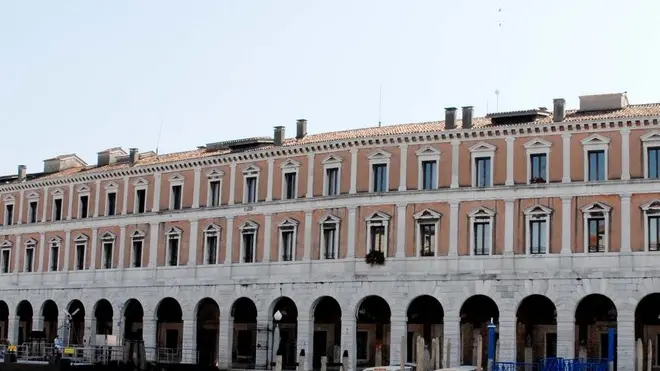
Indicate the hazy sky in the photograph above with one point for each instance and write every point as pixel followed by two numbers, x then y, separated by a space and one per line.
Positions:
pixel 82 76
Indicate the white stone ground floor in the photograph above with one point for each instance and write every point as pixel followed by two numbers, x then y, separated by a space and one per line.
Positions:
pixel 553 314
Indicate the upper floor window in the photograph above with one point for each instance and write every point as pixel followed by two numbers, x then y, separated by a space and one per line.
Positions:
pixel 428 161
pixel 378 232
pixel 83 206
pixel 54 256
pixel 9 210
pixel 379 163
pixel 214 188
pixel 482 157
pixel 176 192
pixel 211 244
pixel 251 184
pixel 595 148
pixel 249 241
pixel 481 231
pixel 5 258
pixel 537 229
pixel 140 197
pixel 288 236
pixel 137 246
pixel 80 252
pixel 58 198
pixel 651 211
pixel 33 207
pixel 290 170
pixel 596 219
pixel 428 222
pixel 173 246
pixel 107 250
pixel 331 175
pixel 111 190
pixel 651 147
pixel 330 237
pixel 538 154
pixel 28 261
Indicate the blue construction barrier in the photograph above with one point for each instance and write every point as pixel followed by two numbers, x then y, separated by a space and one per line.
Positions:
pixel 554 364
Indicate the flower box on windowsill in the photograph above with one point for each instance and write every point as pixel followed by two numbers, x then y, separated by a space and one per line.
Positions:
pixel 537 180
pixel 427 253
pixel 375 257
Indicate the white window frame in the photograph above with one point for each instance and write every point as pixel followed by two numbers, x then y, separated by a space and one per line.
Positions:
pixel 141 236
pixel 426 217
pixel 83 191
pixel 111 187
pixel 479 150
pixel 57 194
pixel 81 240
pixel 285 225
pixel 174 234
pixel 108 238
pixel 537 213
pixel 649 140
pixel 336 222
pixel 138 185
pixel 176 180
pixel 427 153
pixel 216 231
pixel 9 200
pixel 214 175
pixel 587 210
pixel 290 167
pixel 30 244
pixel 595 142
pixel 477 215
pixel 379 157
pixel 33 197
pixel 331 162
pixel 538 146
pixel 251 171
pixel 6 245
pixel 651 208
pixel 54 242
pixel 378 219
pixel 249 227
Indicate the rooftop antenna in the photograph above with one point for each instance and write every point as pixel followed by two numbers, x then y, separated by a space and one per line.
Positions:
pixel 160 131
pixel 380 104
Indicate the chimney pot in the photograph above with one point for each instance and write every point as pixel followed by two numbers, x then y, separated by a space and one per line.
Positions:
pixel 559 109
pixel 468 112
pixel 450 118
pixel 133 156
pixel 278 136
pixel 22 173
pixel 301 128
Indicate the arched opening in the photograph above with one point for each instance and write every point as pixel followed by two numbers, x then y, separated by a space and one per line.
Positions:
pixel 4 320
pixel 536 329
pixel 244 336
pixel 594 315
pixel 103 314
pixel 76 325
pixel 327 331
pixel 169 327
pixel 133 317
pixel 24 313
pixel 425 318
pixel 476 314
pixel 373 332
pixel 287 326
pixel 208 329
pixel 50 314
pixel 647 327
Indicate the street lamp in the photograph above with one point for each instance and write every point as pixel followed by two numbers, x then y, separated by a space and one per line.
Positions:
pixel 277 317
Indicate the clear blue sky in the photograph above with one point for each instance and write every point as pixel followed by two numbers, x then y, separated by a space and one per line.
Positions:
pixel 82 76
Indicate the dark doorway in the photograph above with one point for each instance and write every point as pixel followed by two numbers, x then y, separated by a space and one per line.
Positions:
pixel 133 317
pixel 476 314
pixel 536 319
pixel 327 331
pixel 647 326
pixel 50 314
pixel 103 314
pixel 76 314
pixel 373 329
pixel 208 330
pixel 425 317
pixel 244 342
pixel 4 320
pixel 24 313
pixel 288 329
pixel 594 315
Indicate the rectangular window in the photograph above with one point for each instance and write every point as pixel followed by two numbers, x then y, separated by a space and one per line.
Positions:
pixel 214 193
pixel 654 233
pixel 211 248
pixel 9 214
pixel 112 204
pixel 332 177
pixel 429 175
pixel 83 207
pixel 596 165
pixel 6 253
pixel 248 246
pixel 288 241
pixel 80 256
pixel 653 158
pixel 379 172
pixel 107 255
pixel 596 232
pixel 54 256
pixel 137 253
pixel 290 186
pixel 29 259
pixel 57 209
pixel 482 238
pixel 427 235
pixel 32 212
pixel 378 238
pixel 173 251
pixel 329 240
pixel 538 167
pixel 140 201
pixel 482 168
pixel 176 197
pixel 251 189
pixel 537 237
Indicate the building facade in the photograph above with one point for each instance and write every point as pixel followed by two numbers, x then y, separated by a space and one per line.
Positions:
pixel 545 222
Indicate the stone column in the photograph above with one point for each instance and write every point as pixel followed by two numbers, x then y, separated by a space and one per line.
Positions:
pixel 122 247
pixel 625 223
pixel 97 195
pixel 453 228
pixel 44 215
pixel 307 238
pixel 192 244
pixel 509 231
pixel 566 225
pixel 153 245
pixel 452 334
pixel 196 187
pixel 455 166
pixel 401 231
pixel 305 339
pixel 403 166
pixel 225 341
pixel 354 170
pixel 625 154
pixel 398 329
pixel 350 254
pixel 93 245
pixel 149 334
pixel 625 334
pixel 264 340
pixel 230 240
pixel 310 175
pixel 124 201
pixel 348 333
pixel 269 182
pixel 566 151
pixel 67 251
pixel 268 223
pixel 232 183
pixel 509 161
pixel 565 333
pixel 189 337
pixel 156 205
pixel 12 329
pixel 507 338
pixel 69 210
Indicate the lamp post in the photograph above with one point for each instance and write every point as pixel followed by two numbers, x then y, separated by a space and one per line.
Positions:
pixel 277 317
